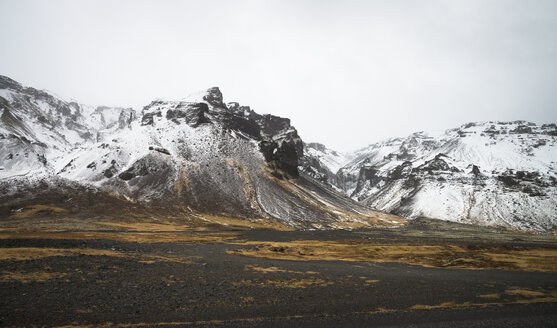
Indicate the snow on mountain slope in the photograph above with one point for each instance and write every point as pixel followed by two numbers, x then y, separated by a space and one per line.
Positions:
pixel 181 157
pixel 495 173
pixel 322 163
pixel 37 128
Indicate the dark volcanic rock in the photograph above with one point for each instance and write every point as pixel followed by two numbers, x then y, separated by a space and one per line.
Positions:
pixel 241 124
pixel 149 118
pixel 270 124
pixel 193 113
pixel 508 180
pixel 214 97
pixel 402 171
pixel 522 129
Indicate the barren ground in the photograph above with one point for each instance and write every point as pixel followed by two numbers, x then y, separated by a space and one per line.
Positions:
pixel 56 271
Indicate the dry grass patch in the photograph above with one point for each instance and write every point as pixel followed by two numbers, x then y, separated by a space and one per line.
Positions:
pixel 143 226
pixel 31 253
pixel 38 210
pixel 250 223
pixel 289 283
pixel 138 237
pixel 440 256
pixel 274 269
pixel 300 283
pixel 27 277
pixel 524 296
pixel 524 292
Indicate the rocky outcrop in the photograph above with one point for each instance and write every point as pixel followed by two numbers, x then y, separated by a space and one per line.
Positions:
pixel 214 97
pixel 193 113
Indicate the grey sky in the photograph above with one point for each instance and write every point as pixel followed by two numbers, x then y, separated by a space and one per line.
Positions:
pixel 347 73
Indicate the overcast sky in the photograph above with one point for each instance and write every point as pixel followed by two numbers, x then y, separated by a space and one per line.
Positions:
pixel 347 73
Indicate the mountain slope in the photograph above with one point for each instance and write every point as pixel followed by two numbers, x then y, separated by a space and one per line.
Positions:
pixel 195 156
pixel 494 173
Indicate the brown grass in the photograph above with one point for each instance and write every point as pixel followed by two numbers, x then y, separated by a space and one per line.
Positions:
pixel 290 283
pixel 274 269
pixel 524 292
pixel 182 183
pixel 31 253
pixel 27 277
pixel 144 226
pixel 251 223
pixel 525 296
pixel 155 237
pixel 38 210
pixel 441 256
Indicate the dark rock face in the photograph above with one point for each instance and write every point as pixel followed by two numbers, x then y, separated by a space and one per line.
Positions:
pixel 149 118
pixel 527 182
pixel 437 164
pixel 282 155
pixel 111 171
pixel 522 129
pixel 270 124
pixel 279 142
pixel 402 171
pixel 147 165
pixel 287 156
pixel 214 97
pixel 193 113
pixel 475 170
pixel 367 175
pixel 241 124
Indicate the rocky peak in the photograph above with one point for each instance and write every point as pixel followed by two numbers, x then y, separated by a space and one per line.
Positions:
pixel 214 97
pixel 7 83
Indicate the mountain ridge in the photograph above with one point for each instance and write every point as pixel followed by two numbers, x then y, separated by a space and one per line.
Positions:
pixel 193 157
pixel 490 173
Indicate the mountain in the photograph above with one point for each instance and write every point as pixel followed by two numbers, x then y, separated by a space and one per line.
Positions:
pixel 491 173
pixel 322 163
pixel 195 158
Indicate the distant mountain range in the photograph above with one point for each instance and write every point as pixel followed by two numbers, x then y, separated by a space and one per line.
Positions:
pixel 193 157
pixel 489 173
pixel 199 156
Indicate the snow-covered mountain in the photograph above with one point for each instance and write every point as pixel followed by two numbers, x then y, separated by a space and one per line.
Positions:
pixel 492 173
pixel 322 164
pixel 182 157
